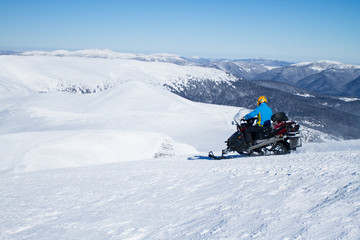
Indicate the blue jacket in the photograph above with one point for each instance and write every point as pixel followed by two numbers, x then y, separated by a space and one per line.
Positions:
pixel 263 112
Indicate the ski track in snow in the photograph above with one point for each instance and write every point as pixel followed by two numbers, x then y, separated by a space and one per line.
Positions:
pixel 304 195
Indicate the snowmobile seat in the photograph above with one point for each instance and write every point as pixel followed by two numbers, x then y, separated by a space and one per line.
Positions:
pixel 279 117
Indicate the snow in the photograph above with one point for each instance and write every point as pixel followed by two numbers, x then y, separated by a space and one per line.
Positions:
pixel 130 162
pixel 91 53
pixel 271 67
pixel 107 53
pixel 301 64
pixel 346 99
pixel 328 62
pixel 140 113
pixel 51 73
pixel 304 95
pixel 322 65
pixel 300 196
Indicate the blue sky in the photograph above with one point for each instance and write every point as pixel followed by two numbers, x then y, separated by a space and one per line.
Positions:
pixel 293 30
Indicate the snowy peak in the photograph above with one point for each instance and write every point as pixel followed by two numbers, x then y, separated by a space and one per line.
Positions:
pixel 325 65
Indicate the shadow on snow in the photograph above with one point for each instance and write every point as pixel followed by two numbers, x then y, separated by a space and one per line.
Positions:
pixel 206 157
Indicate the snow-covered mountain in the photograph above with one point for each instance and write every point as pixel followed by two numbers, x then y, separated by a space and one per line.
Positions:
pixel 134 120
pixel 338 117
pixel 87 72
pixel 86 75
pixel 109 54
pixel 242 68
pixel 129 159
pixel 325 77
pixel 40 119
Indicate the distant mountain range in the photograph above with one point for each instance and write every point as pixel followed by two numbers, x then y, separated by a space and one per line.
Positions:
pixel 320 95
pixel 324 77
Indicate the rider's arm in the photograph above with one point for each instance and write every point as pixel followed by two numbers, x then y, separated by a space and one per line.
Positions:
pixel 252 114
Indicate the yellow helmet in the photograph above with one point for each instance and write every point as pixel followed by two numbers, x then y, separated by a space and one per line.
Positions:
pixel 261 100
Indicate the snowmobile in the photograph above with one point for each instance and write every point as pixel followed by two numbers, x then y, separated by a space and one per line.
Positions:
pixel 281 137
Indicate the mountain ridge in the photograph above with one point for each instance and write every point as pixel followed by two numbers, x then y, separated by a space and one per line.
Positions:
pixel 42 73
pixel 324 76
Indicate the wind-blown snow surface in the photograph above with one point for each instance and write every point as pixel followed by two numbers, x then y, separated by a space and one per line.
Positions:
pixel 309 195
pixel 130 163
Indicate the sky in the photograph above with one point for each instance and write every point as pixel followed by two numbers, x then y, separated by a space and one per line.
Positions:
pixel 292 30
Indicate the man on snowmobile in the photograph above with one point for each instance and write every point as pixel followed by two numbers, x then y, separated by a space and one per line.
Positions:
pixel 263 113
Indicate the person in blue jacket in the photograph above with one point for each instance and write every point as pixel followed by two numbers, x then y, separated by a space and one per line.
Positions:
pixel 263 112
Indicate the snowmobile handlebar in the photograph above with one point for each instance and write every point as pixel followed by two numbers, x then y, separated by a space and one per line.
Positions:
pixel 245 120
pixel 249 121
pixel 244 123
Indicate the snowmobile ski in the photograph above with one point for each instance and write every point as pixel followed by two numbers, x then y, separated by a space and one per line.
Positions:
pixel 212 156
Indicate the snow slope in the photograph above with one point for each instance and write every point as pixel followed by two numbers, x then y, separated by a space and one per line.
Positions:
pixel 85 75
pixel 134 121
pixel 130 162
pixel 308 195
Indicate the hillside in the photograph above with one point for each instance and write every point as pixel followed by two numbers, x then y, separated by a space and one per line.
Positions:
pixel 92 71
pixel 324 77
pixel 131 162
